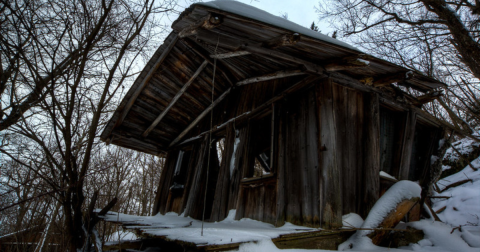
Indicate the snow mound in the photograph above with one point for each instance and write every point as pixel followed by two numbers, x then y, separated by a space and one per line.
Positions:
pixel 464 146
pixel 462 208
pixel 400 191
pixel 352 220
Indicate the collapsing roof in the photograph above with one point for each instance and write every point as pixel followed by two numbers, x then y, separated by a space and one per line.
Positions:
pixel 235 45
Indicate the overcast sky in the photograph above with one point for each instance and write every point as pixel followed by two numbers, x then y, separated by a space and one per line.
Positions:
pixel 301 12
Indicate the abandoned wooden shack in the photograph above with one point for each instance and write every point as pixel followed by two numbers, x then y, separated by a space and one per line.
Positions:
pixel 306 123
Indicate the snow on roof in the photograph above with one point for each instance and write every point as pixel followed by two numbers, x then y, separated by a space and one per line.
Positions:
pixel 251 12
pixel 176 227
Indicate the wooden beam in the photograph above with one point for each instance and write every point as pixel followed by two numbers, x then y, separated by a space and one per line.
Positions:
pixel 283 40
pixel 295 87
pixel 391 78
pixel 208 22
pixel 145 80
pixel 271 76
pixel 202 52
pixel 229 55
pixel 310 67
pixel 429 97
pixel 203 114
pixel 175 99
pixel 348 63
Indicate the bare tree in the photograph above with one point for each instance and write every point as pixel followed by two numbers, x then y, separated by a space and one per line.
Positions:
pixel 437 37
pixel 66 61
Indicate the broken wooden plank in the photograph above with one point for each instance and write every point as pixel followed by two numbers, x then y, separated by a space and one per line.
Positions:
pixel 271 76
pixel 145 80
pixel 391 78
pixel 175 99
pixel 229 55
pixel 203 114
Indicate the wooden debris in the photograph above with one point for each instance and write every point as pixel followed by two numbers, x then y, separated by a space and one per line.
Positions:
pixel 441 210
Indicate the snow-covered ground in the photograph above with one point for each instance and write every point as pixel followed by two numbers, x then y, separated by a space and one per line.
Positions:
pixel 459 230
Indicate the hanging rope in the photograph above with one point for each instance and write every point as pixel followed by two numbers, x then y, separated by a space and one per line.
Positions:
pixel 210 136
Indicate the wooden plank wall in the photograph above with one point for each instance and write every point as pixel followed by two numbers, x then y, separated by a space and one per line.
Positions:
pixel 298 161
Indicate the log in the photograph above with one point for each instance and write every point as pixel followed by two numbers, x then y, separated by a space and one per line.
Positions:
pixel 392 219
pixel 145 80
pixel 175 99
pixel 271 76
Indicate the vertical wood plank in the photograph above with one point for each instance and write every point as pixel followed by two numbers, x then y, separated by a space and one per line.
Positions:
pixel 331 190
pixel 407 145
pixel 220 203
pixel 196 194
pixel 371 186
pixel 280 169
pixel 165 182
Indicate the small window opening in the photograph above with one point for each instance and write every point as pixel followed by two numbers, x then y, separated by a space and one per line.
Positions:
pixel 391 139
pixel 180 173
pixel 220 149
pixel 262 135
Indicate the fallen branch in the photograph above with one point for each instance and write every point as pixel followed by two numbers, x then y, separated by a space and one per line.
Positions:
pixel 461 182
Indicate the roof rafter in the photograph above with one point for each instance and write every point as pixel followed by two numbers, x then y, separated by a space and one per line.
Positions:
pixel 175 99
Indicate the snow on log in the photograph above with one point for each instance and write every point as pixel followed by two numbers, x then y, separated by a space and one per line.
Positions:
pixel 386 213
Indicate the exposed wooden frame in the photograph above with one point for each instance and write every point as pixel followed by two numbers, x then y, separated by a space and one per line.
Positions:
pixel 229 55
pixel 310 67
pixel 145 81
pixel 202 115
pixel 202 52
pixel 295 87
pixel 271 76
pixel 175 99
